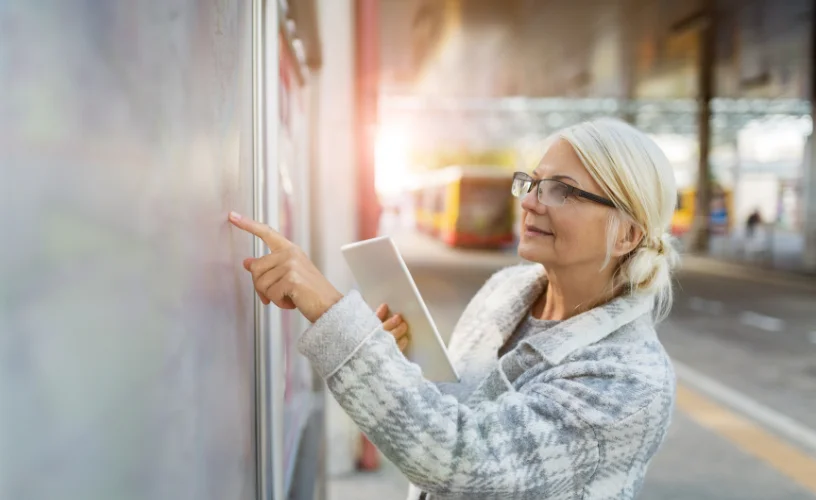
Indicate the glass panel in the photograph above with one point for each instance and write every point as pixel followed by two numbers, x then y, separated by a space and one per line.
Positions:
pixel 126 320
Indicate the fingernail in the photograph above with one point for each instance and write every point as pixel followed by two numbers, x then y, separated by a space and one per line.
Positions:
pixel 235 216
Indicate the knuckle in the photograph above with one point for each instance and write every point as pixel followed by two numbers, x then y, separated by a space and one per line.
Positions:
pixel 258 281
pixel 295 258
pixel 254 266
pixel 293 277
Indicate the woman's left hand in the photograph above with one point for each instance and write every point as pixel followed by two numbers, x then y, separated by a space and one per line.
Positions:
pixel 395 325
pixel 286 277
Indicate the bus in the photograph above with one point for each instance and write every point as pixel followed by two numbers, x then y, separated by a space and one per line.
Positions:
pixel 466 206
pixel 722 211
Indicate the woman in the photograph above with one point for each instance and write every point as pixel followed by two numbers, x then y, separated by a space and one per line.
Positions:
pixel 565 392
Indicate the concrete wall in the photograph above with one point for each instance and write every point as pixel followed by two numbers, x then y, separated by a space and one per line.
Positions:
pixel 335 195
pixel 809 182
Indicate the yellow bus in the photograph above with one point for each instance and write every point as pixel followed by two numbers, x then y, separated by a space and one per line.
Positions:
pixel 721 210
pixel 466 206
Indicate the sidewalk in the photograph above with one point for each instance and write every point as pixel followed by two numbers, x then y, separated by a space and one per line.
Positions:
pixel 771 248
pixel 734 269
pixel 387 483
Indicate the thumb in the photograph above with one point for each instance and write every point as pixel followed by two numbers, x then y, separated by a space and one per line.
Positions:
pixel 248 262
pixel 382 312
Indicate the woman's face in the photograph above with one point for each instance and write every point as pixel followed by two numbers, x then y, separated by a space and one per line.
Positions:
pixel 567 235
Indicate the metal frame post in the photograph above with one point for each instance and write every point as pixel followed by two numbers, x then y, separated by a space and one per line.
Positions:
pixel 700 234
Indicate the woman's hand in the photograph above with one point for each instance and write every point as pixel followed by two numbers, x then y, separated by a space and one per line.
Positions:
pixel 394 325
pixel 286 277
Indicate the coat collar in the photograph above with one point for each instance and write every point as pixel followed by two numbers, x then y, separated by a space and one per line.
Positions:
pixel 511 300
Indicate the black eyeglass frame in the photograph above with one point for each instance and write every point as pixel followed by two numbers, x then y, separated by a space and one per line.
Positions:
pixel 570 190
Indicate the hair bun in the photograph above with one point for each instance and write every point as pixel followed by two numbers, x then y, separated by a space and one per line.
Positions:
pixel 649 267
pixel 664 245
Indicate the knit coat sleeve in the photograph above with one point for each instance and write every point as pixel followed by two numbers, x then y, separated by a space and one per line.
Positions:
pixel 516 441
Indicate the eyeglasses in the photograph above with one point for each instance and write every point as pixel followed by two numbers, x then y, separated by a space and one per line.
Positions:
pixel 551 192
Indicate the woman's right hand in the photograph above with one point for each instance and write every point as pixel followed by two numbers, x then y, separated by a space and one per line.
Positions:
pixel 395 325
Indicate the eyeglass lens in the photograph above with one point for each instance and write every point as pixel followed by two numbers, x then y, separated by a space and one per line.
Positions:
pixel 549 192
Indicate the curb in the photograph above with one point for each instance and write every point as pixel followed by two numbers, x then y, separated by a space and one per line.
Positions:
pixel 727 269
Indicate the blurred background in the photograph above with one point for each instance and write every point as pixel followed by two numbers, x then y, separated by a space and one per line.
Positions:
pixel 134 360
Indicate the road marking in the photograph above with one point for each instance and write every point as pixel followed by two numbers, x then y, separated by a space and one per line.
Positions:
pixel 745 434
pixel 761 321
pixel 770 418
pixel 700 304
pixel 715 307
pixel 749 318
pixel 696 304
pixel 749 437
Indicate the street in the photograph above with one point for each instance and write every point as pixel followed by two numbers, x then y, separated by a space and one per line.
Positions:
pixel 745 354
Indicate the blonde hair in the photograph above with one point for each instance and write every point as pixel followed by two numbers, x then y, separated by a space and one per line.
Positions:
pixel 635 174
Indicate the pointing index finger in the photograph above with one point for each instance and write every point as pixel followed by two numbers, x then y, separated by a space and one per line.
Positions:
pixel 272 238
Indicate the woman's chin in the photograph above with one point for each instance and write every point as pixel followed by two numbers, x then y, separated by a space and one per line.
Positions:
pixel 529 251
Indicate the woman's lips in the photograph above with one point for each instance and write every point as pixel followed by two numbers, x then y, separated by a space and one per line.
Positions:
pixel 534 231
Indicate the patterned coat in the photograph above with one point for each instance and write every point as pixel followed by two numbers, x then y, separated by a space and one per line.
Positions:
pixel 575 412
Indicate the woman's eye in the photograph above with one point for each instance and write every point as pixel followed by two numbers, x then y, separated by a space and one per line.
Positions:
pixel 559 190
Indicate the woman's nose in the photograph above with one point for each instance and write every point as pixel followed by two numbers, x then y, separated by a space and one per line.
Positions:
pixel 530 202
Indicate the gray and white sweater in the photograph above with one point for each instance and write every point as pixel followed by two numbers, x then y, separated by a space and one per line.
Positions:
pixel 574 412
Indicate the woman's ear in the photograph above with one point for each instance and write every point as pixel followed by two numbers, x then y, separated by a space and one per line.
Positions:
pixel 629 237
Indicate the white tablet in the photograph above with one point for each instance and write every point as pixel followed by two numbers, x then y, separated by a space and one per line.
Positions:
pixel 383 278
